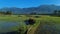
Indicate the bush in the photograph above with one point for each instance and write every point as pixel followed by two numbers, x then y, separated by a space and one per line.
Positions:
pixel 37 16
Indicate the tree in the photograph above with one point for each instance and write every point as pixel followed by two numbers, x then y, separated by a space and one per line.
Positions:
pixel 33 13
pixel 58 13
pixel 55 12
pixel 8 13
pixel 2 13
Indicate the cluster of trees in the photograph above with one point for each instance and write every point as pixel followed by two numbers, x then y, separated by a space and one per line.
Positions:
pixel 6 13
pixel 33 13
pixel 56 13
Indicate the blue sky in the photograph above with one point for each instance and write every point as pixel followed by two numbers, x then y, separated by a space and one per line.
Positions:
pixel 26 3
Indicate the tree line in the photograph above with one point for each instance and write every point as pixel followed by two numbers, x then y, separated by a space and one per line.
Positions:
pixel 6 13
pixel 56 13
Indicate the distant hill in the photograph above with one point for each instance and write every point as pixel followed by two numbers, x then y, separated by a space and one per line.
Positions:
pixel 42 9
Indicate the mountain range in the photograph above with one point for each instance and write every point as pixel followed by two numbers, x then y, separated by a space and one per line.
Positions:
pixel 42 9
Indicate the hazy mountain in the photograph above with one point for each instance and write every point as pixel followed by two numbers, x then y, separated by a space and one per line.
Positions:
pixel 40 9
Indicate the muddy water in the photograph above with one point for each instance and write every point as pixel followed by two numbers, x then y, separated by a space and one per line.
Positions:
pixel 48 29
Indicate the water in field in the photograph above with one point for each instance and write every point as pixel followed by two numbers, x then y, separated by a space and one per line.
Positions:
pixel 49 29
pixel 6 26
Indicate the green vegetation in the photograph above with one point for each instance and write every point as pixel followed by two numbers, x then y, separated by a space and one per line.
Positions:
pixel 21 18
pixel 49 19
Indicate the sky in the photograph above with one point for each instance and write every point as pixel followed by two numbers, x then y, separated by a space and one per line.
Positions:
pixel 27 3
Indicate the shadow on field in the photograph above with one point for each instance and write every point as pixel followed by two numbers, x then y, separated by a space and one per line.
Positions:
pixel 48 28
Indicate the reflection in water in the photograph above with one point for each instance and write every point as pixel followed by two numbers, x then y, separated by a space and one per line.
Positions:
pixel 6 26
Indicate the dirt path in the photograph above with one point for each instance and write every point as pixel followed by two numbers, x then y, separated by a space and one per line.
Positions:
pixel 32 29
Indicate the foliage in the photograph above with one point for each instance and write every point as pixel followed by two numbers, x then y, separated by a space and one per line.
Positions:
pixel 56 13
pixel 8 13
